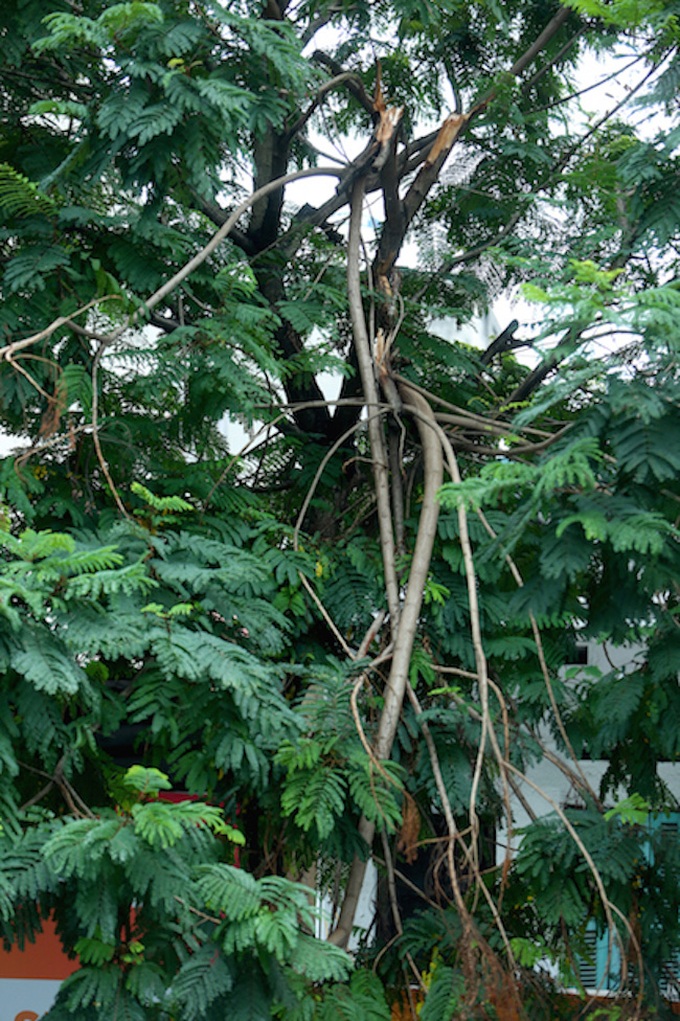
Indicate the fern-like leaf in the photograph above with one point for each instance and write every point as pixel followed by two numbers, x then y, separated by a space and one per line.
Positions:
pixel 20 197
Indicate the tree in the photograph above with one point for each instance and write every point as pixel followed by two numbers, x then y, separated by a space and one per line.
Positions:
pixel 274 630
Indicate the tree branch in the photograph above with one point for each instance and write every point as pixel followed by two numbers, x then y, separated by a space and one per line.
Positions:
pixel 333 83
pixel 375 431
pixel 395 688
pixel 8 352
pixel 354 82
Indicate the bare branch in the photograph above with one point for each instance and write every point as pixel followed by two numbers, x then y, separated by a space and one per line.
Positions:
pixel 550 30
pixel 333 83
pixel 375 432
pixel 18 345
pixel 103 463
pixel 354 83
pixel 233 219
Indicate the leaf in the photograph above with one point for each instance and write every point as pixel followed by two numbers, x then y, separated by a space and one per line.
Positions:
pixel 91 985
pixel 203 977
pixel 163 504
pixel 315 799
pixel 31 268
pixel 21 197
pixel 633 810
pixel 444 995
pixel 94 951
pixel 228 889
pixel 146 780
pixel 45 664
pixel 321 961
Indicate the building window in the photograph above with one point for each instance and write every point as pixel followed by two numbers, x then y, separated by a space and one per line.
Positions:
pixel 599 970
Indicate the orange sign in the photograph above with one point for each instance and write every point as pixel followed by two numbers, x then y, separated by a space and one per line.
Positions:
pixel 30 978
pixel 42 959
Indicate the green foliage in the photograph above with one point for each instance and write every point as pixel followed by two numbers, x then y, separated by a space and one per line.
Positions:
pixel 633 809
pixel 194 622
pixel 572 466
pixel 362 999
pixel 444 995
pixel 20 197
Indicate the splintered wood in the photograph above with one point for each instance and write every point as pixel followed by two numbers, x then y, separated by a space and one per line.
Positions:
pixel 448 133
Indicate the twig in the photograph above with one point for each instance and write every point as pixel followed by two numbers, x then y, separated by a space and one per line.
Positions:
pixel 95 434
pixel 195 911
pixel 325 614
pixel 18 345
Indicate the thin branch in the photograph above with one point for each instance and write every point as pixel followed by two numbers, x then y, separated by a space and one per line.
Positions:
pixel 224 231
pixel 368 381
pixel 557 168
pixel 514 570
pixel 309 495
pixel 589 88
pixel 446 805
pixel 507 803
pixel 456 671
pixel 37 797
pixel 18 345
pixel 466 916
pixel 472 417
pixel 325 614
pixel 16 365
pixel 370 635
pixel 452 128
pixel 333 83
pixel 103 463
pixel 603 120
pixel 550 30
pixel 354 82
pixel 535 78
pixel 319 22
pixel 607 906
pixel 251 445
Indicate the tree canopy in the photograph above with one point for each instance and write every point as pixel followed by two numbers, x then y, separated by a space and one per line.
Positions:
pixel 345 638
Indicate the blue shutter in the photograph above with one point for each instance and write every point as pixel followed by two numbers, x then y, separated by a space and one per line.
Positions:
pixel 593 970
